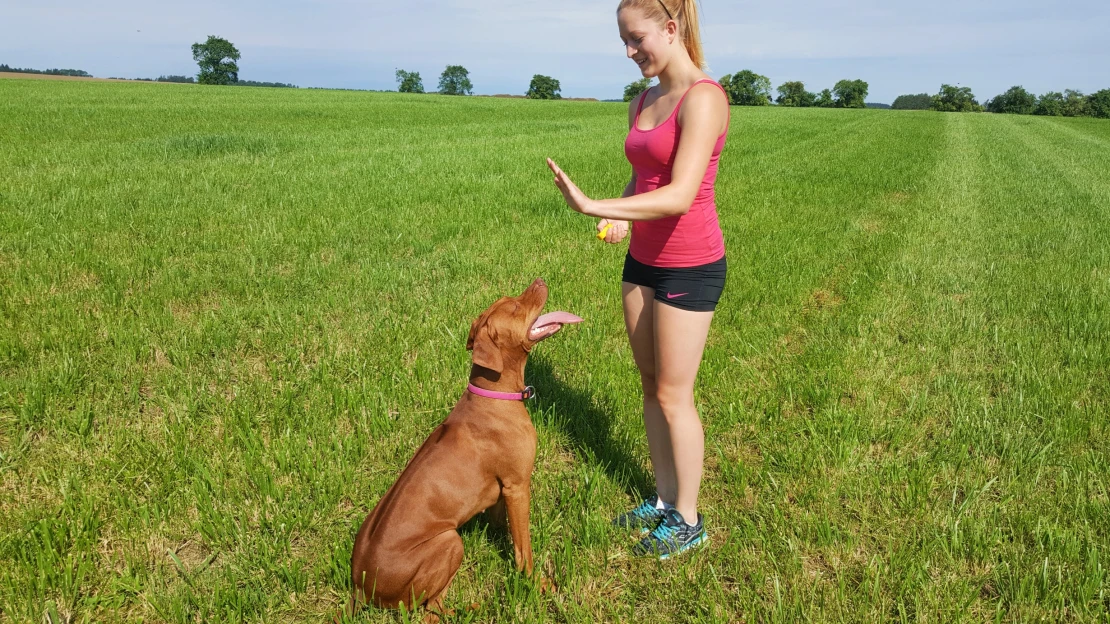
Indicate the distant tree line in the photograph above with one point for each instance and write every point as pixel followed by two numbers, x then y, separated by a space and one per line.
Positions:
pixel 84 74
pixel 455 80
pixel 50 72
pixel 1070 103
pixel 920 101
pixel 955 99
pixel 844 94
pixel 1015 101
pixel 256 83
pixel 747 88
pixel 190 80
pixel 181 79
pixel 217 59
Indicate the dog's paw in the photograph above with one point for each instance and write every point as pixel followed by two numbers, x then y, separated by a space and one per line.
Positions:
pixel 546 585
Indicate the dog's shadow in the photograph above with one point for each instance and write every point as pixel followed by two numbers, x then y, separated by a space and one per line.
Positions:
pixel 591 432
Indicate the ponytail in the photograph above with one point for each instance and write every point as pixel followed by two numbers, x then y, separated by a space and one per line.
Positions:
pixel 685 12
pixel 691 34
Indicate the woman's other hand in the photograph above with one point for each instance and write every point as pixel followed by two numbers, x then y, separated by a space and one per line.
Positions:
pixel 616 233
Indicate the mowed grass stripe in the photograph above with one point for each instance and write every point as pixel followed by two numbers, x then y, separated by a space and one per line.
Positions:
pixel 819 425
pixel 973 419
pixel 1050 383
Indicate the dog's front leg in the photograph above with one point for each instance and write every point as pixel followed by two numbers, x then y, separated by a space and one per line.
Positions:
pixel 518 499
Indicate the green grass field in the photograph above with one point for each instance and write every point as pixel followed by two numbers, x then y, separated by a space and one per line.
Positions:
pixel 228 318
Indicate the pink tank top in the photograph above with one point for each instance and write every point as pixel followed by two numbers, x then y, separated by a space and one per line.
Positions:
pixel 686 240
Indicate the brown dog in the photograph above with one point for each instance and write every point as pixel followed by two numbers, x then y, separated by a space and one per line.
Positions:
pixel 408 549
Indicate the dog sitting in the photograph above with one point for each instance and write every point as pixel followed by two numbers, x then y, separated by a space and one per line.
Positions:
pixel 408 549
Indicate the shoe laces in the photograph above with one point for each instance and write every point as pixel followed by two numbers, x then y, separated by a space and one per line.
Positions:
pixel 664 532
pixel 645 510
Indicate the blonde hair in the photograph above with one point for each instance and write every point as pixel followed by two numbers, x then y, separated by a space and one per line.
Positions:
pixel 685 12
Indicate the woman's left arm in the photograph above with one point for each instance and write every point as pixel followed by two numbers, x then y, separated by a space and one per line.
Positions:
pixel 703 118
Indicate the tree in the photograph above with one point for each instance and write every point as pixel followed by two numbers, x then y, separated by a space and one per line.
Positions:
pixel 1051 104
pixel 794 94
pixel 1015 101
pixel 455 80
pixel 409 82
pixel 1075 104
pixel 1098 104
pixel 747 88
pixel 956 100
pixel 825 99
pixel 920 101
pixel 216 58
pixel 543 88
pixel 636 88
pixel 851 94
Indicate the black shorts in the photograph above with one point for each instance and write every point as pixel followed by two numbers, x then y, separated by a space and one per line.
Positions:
pixel 696 288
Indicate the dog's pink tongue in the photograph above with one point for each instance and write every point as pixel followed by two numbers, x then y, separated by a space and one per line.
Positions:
pixel 555 318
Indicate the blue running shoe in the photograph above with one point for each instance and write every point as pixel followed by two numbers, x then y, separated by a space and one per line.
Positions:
pixel 645 517
pixel 671 537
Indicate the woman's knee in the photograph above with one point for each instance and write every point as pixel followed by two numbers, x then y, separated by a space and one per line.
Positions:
pixel 675 402
pixel 647 382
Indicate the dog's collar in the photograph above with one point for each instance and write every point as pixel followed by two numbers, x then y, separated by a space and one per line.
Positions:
pixel 528 393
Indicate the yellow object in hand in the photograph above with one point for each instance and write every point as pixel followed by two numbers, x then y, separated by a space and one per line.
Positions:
pixel 604 231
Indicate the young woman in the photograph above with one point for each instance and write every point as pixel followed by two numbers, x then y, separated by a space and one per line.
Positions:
pixel 674 272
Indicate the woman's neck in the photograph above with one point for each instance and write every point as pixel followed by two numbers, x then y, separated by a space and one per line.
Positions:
pixel 680 73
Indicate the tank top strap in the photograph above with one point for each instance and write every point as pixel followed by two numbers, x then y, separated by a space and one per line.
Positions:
pixel 696 84
pixel 713 82
pixel 643 96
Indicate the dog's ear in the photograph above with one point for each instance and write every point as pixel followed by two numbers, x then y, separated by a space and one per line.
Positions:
pixel 481 320
pixel 482 340
pixel 486 352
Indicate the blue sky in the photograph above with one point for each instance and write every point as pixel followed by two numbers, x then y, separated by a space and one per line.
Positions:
pixel 896 47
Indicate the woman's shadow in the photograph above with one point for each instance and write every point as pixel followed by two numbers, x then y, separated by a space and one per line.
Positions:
pixel 593 434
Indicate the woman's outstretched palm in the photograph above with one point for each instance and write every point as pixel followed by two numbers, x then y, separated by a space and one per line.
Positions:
pixel 573 195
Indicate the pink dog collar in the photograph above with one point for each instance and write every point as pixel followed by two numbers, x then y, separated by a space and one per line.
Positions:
pixel 528 393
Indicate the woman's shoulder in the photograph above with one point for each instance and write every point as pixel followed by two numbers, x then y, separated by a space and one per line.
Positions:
pixel 705 103
pixel 706 85
pixel 707 96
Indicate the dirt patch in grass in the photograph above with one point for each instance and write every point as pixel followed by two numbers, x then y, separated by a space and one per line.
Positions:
pixel 823 299
pixel 8 262
pixel 870 225
pixel 81 281
pixel 186 311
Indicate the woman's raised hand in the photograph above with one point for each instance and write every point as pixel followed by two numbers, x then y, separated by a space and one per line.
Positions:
pixel 573 195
